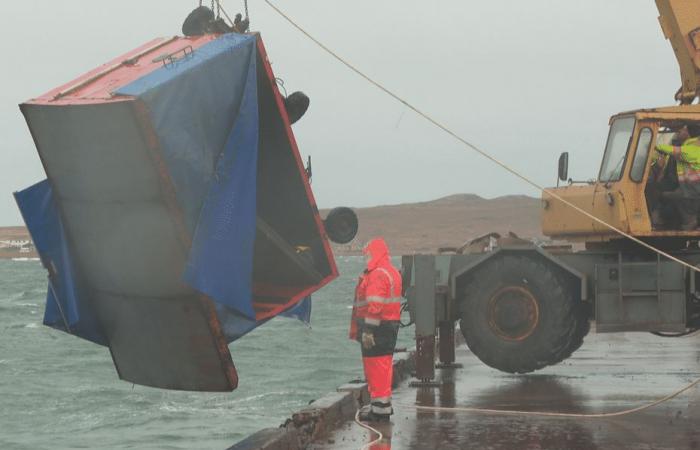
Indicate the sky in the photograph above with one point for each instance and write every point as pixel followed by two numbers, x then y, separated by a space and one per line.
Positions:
pixel 524 80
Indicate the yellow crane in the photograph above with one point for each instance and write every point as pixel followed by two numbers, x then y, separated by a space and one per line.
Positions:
pixel 522 306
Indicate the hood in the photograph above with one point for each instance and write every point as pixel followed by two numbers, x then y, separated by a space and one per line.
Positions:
pixel 378 253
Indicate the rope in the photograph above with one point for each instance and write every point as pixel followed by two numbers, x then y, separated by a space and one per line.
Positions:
pixel 374 430
pixel 509 412
pixel 226 14
pixel 468 144
pixel 557 414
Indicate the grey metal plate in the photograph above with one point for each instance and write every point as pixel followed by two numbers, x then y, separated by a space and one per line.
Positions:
pixel 640 297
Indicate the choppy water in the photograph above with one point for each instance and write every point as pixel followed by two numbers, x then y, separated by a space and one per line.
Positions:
pixel 58 391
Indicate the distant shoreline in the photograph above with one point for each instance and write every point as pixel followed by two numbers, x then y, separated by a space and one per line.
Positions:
pixel 17 254
pixel 409 228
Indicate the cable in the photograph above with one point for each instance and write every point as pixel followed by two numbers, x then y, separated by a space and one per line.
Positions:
pixel 280 83
pixel 404 307
pixel 374 430
pixel 509 412
pixel 225 14
pixel 473 146
pixel 557 414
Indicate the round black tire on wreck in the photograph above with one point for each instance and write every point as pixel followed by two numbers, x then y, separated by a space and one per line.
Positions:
pixel 520 313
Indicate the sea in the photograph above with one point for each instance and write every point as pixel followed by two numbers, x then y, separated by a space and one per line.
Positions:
pixel 61 392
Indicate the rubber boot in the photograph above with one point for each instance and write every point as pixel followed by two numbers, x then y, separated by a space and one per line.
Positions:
pixel 367 415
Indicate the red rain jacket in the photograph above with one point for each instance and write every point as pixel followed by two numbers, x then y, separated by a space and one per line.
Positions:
pixel 378 291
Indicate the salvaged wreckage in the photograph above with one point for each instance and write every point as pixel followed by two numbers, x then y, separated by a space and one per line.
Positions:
pixel 177 214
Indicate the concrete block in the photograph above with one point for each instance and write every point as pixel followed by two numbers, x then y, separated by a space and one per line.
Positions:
pixel 359 392
pixel 327 411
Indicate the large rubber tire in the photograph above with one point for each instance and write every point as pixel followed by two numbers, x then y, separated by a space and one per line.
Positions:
pixel 550 324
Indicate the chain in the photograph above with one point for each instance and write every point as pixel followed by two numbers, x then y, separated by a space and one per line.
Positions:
pixel 216 7
pixel 245 5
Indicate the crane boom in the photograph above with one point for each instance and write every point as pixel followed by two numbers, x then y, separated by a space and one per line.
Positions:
pixel 680 22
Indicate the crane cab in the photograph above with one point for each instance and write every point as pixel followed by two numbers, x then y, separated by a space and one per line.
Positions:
pixel 630 192
pixel 627 193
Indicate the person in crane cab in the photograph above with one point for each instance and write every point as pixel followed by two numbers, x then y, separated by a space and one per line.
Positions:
pixel 375 324
pixel 685 150
pixel 662 178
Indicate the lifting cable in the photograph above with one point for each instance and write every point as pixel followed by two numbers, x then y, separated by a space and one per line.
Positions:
pixel 468 144
pixel 532 183
pixel 222 10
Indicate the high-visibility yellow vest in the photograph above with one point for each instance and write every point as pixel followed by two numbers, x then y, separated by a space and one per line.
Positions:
pixel 688 157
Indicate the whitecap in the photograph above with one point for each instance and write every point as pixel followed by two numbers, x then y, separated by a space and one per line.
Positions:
pixel 32 325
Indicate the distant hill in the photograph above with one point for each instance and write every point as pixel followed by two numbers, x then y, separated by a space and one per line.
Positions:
pixel 445 222
pixel 13 233
pixel 426 226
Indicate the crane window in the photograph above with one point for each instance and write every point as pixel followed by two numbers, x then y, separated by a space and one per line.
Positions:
pixel 616 149
pixel 640 156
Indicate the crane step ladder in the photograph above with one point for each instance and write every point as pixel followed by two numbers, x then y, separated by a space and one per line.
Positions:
pixel 641 296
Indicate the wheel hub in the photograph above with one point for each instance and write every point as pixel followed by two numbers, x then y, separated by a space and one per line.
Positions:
pixel 513 313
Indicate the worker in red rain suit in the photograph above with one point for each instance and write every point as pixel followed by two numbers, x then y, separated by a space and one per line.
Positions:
pixel 375 323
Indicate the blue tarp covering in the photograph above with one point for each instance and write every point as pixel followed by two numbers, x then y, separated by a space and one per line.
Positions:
pixel 204 110
pixel 66 308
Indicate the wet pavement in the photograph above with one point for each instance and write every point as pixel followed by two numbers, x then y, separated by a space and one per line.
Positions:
pixel 611 372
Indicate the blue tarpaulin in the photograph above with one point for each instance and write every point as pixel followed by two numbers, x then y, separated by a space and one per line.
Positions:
pixel 66 308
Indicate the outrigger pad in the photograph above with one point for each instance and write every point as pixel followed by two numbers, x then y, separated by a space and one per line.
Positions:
pixel 177 215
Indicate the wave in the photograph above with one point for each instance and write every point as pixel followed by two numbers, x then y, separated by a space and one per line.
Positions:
pixel 14 296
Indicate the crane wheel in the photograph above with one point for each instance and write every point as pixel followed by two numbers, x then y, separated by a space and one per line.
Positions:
pixel 520 314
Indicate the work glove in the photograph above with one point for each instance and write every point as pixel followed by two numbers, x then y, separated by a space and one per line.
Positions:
pixel 367 340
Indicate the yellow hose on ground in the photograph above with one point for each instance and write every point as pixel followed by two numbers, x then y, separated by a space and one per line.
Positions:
pixel 554 414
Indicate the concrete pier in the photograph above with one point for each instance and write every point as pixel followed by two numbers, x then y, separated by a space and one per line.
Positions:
pixel 611 372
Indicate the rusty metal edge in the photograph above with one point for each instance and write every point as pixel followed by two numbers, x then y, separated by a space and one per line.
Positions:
pixel 142 115
pixel 267 67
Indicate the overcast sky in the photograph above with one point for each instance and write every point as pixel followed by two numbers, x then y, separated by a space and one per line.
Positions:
pixel 524 80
